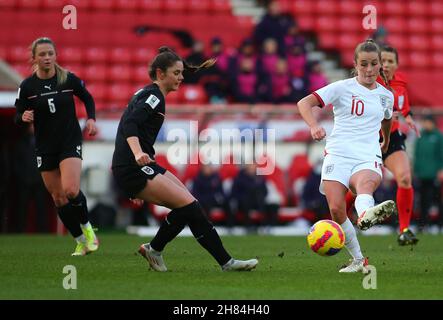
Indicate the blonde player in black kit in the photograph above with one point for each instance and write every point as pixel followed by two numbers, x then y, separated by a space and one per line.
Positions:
pixel 137 174
pixel 46 100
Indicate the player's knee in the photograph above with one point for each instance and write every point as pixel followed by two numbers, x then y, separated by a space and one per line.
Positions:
pixel 404 180
pixel 337 211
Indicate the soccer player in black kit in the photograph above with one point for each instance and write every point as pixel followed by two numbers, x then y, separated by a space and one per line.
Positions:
pixel 137 174
pixel 46 100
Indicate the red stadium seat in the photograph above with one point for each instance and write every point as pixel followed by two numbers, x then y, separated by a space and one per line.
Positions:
pixel 398 41
pixel 98 90
pixel 174 5
pixel 23 69
pixel 419 59
pixel 328 40
pixel 350 7
pixel 19 54
pixel 8 4
pixel 120 73
pixel 54 4
pixel 306 22
pixel 395 24
pixel 220 6
pixel 70 55
pixel 436 8
pixel 437 42
pixel 125 5
pixel 95 55
pixel 29 4
pixel 75 68
pixel 173 98
pixel 326 7
pixel 119 94
pixel 348 41
pixel 140 73
pixel 143 55
pixel 419 42
pixel 150 5
pixel 437 60
pixel 418 25
pixel 437 26
pixel 417 8
pixel 96 72
pixel 350 24
pixel 120 55
pixel 197 5
pixel 326 23
pixel 100 5
pixel 303 7
pixel 395 8
pixel 80 4
pixel 194 94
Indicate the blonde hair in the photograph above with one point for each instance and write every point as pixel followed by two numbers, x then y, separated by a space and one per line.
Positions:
pixel 370 46
pixel 62 74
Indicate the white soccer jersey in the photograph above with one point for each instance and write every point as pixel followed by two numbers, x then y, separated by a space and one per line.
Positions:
pixel 358 112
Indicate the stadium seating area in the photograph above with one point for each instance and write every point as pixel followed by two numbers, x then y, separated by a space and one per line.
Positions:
pixel 104 49
pixel 415 28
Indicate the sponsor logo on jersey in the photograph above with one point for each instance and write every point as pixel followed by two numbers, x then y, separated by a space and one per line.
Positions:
pixel 39 162
pixel 153 101
pixel 48 87
pixel 148 170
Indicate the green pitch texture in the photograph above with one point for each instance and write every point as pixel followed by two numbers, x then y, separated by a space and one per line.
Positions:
pixel 31 267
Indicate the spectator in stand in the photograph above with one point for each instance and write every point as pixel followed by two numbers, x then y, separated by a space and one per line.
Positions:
pixel 295 38
pixel 248 192
pixel 274 25
pixel 281 83
pixel 245 85
pixel 196 57
pixel 207 187
pixel 247 51
pixel 428 169
pixel 317 78
pixel 296 61
pixel 267 62
pixel 214 79
pixel 379 36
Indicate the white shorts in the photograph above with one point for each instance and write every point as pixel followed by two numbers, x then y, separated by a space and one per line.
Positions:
pixel 341 169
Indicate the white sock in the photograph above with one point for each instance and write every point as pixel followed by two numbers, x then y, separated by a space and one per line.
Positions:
pixel 351 242
pixel 81 239
pixel 86 226
pixel 363 202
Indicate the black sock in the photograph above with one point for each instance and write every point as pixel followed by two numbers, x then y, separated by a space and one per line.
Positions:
pixel 70 220
pixel 169 229
pixel 80 207
pixel 205 233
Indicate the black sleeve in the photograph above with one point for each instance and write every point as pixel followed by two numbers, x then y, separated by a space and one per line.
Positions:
pixel 20 105
pixel 84 95
pixel 138 115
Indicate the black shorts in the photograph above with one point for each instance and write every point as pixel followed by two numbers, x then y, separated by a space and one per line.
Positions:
pixel 396 143
pixel 51 161
pixel 132 179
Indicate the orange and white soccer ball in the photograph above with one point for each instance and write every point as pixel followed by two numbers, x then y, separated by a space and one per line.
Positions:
pixel 326 238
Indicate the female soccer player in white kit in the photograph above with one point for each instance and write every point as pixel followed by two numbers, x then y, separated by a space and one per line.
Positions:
pixel 353 154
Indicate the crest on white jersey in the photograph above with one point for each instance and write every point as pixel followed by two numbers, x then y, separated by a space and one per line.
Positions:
pixel 148 170
pixel 153 101
pixel 329 169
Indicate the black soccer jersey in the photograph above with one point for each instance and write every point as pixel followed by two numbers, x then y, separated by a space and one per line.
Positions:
pixel 55 120
pixel 143 118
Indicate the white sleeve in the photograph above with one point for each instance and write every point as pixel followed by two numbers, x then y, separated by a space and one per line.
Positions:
pixel 328 94
pixel 389 107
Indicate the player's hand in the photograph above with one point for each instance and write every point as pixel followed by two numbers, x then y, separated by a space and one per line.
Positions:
pixel 28 116
pixel 412 125
pixel 91 127
pixel 318 133
pixel 143 159
pixel 384 146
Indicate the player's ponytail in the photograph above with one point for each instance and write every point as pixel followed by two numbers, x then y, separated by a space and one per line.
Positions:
pixel 166 57
pixel 62 74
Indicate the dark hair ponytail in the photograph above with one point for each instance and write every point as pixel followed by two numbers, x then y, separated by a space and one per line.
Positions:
pixel 166 57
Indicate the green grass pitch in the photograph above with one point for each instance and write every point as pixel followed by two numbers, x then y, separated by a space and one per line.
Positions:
pixel 31 267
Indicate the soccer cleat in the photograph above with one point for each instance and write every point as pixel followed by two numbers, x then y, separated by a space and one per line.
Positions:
pixel 376 214
pixel 91 239
pixel 154 258
pixel 240 265
pixel 80 250
pixel 356 265
pixel 407 237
